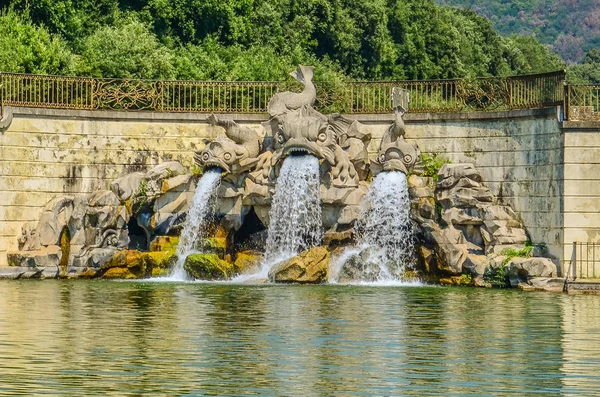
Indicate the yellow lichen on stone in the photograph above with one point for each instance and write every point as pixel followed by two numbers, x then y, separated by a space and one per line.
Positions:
pixel 65 247
pixel 88 273
pixel 158 272
pixel 456 280
pixel 310 267
pixel 160 259
pixel 164 243
pixel 214 245
pixel 247 262
pixel 119 273
pixel 129 206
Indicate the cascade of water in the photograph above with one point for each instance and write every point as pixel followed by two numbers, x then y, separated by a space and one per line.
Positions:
pixel 194 227
pixel 385 243
pixel 295 216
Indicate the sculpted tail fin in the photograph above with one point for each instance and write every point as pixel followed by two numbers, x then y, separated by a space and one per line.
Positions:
pixel 303 73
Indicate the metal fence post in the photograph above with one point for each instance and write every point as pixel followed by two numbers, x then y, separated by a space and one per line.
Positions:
pixel 574 260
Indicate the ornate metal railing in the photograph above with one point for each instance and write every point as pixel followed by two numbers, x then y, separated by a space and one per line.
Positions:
pixel 583 102
pixel 481 94
pixel 585 261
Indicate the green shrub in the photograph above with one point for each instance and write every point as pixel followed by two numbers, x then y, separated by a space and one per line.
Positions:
pixel 511 253
pixel 197 171
pixel 497 277
pixel 432 163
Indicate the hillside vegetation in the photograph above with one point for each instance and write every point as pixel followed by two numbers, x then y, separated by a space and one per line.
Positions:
pixel 260 40
pixel 570 28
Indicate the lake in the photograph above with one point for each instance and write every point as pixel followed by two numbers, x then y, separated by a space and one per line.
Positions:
pixel 85 338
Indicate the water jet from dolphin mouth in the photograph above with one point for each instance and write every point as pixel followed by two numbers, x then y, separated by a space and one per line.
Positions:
pixel 194 228
pixel 384 246
pixel 295 216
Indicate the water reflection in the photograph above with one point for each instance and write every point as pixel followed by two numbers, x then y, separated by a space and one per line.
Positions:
pixel 117 338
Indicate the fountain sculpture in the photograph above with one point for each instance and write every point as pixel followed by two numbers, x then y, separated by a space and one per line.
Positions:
pixel 287 200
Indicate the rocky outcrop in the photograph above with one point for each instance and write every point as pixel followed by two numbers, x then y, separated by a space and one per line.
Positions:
pixel 76 233
pixel 464 230
pixel 523 269
pixel 247 262
pixel 310 267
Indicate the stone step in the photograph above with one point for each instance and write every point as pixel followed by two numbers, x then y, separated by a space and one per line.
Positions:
pixel 588 285
pixel 27 272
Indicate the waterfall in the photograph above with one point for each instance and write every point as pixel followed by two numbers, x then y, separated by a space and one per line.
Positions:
pixel 384 245
pixel 295 216
pixel 195 223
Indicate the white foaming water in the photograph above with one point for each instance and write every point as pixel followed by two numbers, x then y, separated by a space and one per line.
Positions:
pixel 295 216
pixel 195 223
pixel 385 243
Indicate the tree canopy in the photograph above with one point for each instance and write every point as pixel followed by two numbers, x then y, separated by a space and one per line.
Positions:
pixel 260 40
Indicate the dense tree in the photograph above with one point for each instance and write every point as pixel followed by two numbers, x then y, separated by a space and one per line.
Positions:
pixel 588 71
pixel 263 39
pixel 26 48
pixel 127 50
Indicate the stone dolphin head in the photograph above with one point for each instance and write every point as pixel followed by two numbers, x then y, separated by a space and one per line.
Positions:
pixel 306 131
pixel 222 153
pixel 398 156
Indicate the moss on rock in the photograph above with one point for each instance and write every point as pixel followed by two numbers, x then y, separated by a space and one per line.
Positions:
pixel 138 264
pixel 208 267
pixel 214 245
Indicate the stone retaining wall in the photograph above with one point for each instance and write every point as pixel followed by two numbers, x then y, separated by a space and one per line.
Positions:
pixel 581 188
pixel 45 153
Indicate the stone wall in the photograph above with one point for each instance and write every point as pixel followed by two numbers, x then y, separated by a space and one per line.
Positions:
pixel 582 188
pixel 45 153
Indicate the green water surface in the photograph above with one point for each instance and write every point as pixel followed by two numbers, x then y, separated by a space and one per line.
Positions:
pixel 76 338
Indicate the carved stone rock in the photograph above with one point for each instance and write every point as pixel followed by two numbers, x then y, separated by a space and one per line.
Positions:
pixel 126 187
pixel 310 267
pixel 522 269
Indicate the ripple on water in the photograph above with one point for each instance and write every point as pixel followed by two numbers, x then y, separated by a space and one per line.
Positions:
pixel 131 338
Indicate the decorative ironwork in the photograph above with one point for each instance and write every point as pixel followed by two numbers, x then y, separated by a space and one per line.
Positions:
pixel 583 102
pixel 119 94
pixel 481 94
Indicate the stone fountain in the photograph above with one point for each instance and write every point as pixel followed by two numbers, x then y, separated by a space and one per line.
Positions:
pixel 456 226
